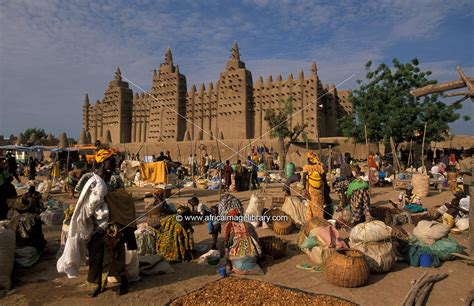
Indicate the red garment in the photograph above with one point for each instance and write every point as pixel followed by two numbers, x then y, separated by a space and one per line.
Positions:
pixel 372 163
pixel 452 158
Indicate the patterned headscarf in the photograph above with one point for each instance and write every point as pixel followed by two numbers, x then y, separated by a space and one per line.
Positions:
pixel 103 154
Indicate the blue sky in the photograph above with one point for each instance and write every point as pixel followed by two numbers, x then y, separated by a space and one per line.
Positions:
pixel 53 52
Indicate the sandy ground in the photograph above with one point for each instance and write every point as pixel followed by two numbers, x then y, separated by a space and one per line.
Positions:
pixel 42 285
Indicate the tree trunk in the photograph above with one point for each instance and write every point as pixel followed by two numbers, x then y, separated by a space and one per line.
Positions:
pixel 283 152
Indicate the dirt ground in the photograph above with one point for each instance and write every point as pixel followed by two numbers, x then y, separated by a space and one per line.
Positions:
pixel 42 285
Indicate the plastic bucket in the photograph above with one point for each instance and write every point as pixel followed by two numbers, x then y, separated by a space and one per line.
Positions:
pixel 290 169
pixel 222 271
pixel 425 260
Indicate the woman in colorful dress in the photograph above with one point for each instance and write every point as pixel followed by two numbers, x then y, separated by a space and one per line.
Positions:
pixel 174 239
pixel 313 182
pixel 243 244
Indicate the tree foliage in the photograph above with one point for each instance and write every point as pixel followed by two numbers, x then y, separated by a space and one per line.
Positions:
pixel 279 121
pixel 383 103
pixel 39 133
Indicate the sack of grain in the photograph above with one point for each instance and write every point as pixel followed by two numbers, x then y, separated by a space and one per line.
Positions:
pixel 255 208
pixel 373 231
pixel 430 231
pixel 380 256
pixel 421 184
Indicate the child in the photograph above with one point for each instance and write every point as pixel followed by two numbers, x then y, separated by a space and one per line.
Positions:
pixel 214 226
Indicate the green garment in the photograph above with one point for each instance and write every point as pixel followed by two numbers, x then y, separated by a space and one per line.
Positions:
pixel 415 208
pixel 355 185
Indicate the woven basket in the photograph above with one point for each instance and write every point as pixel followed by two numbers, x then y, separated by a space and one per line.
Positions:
pixel 313 223
pixel 271 213
pixel 347 268
pixel 273 246
pixel 283 227
pixel 201 184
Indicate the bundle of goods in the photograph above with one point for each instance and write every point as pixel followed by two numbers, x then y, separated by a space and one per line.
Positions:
pixel 237 290
pixel 209 258
pixel 313 223
pixel 430 231
pixel 295 209
pixel 146 242
pixel 421 254
pixel 429 245
pixel 275 177
pixel 7 256
pixel 347 268
pixel 227 203
pixel 214 183
pixel 45 186
pixel 201 183
pixel 255 209
pixel 273 246
pixel 421 184
pixel 54 213
pixel 374 240
pixel 320 243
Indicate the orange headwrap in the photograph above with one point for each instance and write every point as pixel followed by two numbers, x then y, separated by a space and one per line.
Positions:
pixel 312 157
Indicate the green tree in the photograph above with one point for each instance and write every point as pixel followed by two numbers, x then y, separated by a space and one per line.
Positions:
pixel 39 133
pixel 383 103
pixel 280 127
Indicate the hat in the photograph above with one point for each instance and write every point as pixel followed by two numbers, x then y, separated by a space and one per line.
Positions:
pixel 409 187
pixel 103 154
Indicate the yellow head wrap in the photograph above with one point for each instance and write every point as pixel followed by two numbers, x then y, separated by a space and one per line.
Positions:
pixel 312 157
pixel 103 155
pixel 459 190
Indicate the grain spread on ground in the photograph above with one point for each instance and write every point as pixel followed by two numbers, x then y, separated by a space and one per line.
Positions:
pixel 242 291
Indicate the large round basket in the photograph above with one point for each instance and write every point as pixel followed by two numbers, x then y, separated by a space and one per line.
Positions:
pixel 284 227
pixel 273 246
pixel 347 268
pixel 313 223
pixel 272 213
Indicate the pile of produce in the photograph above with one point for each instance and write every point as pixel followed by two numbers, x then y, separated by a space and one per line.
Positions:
pixel 242 291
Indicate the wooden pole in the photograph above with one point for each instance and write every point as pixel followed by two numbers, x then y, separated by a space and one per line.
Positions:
pixel 192 161
pixel 410 157
pixel 220 170
pixel 67 159
pixel 423 150
pixel 330 159
pixel 319 142
pixel 367 148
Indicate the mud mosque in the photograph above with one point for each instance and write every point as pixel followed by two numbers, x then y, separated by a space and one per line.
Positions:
pixel 232 108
